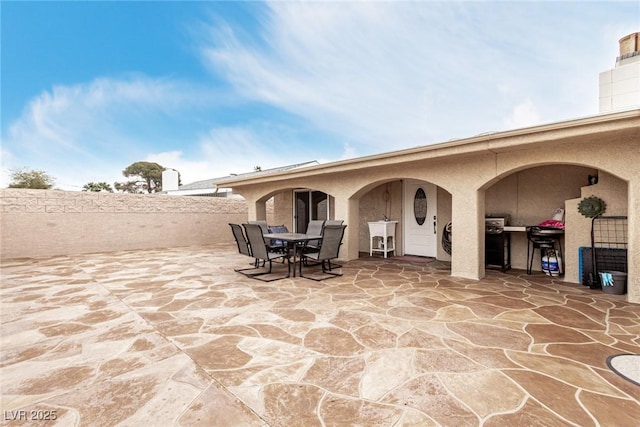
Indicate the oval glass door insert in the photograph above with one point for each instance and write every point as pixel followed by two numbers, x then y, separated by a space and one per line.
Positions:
pixel 420 206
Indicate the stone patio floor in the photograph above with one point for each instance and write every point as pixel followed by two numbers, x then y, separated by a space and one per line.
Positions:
pixel 176 337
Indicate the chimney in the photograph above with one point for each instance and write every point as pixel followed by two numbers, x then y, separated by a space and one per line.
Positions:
pixel 620 86
pixel 629 49
pixel 169 180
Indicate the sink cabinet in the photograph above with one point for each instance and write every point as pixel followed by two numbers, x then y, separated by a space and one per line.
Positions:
pixel 382 237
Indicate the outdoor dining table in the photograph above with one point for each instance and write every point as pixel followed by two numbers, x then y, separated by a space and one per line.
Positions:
pixel 294 241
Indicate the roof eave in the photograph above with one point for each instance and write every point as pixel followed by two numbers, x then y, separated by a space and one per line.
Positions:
pixel 490 142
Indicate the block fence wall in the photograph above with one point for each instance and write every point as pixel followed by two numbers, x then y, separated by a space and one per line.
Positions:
pixel 41 223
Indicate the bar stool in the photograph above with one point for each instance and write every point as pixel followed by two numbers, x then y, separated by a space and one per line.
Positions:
pixel 539 240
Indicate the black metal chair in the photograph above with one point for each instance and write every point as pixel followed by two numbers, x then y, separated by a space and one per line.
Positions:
pixel 334 222
pixel 243 247
pixel 332 236
pixel 538 240
pixel 277 245
pixel 261 251
pixel 272 243
pixel 315 226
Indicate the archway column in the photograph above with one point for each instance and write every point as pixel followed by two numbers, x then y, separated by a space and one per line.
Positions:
pixel 349 211
pixel 259 210
pixel 467 253
pixel 256 206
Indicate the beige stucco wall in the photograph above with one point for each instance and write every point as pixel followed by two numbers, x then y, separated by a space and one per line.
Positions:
pixel 385 199
pixel 530 193
pixel 283 208
pixel 468 169
pixel 39 223
pixel 613 191
pixel 618 156
pixel 530 196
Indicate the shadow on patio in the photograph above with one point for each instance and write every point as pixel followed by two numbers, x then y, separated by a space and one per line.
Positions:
pixel 175 336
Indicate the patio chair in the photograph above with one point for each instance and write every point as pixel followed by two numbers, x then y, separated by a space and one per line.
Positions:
pixel 275 244
pixel 329 248
pixel 243 247
pixel 261 251
pixel 314 248
pixel 263 225
pixel 315 226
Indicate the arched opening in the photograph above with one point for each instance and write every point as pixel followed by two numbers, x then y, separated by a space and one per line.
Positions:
pixel 421 208
pixel 531 195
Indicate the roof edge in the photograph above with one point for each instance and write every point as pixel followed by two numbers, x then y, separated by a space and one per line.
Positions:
pixel 486 142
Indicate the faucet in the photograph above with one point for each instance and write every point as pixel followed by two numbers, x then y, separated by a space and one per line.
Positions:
pixel 385 217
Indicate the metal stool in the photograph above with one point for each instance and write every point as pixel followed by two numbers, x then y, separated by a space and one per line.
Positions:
pixel 538 240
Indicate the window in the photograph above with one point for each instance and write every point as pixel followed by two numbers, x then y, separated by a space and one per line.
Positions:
pixel 420 206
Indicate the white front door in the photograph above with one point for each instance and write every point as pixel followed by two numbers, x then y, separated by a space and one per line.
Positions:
pixel 420 226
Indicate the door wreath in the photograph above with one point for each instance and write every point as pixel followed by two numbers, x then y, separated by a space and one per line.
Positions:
pixel 592 206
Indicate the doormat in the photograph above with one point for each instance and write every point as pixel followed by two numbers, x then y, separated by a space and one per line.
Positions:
pixel 626 365
pixel 413 258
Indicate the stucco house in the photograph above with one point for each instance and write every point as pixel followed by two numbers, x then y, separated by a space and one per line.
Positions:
pixel 525 173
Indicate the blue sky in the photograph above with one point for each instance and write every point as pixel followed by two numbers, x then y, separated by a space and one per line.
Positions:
pixel 213 88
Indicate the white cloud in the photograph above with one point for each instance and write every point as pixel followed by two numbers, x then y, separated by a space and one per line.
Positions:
pixel 231 150
pixel 91 132
pixel 100 109
pixel 190 170
pixel 329 81
pixel 6 163
pixel 398 74
pixel 239 150
pixel 523 115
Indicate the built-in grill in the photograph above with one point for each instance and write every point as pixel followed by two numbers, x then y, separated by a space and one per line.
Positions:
pixel 495 224
pixel 497 242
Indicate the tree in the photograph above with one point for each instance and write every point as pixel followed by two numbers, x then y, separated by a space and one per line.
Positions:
pixel 27 178
pixel 147 177
pixel 128 187
pixel 97 187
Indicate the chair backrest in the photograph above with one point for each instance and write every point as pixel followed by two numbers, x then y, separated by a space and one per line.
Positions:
pixel 333 222
pixel 275 229
pixel 263 225
pixel 315 226
pixel 241 241
pixel 256 241
pixel 331 241
pixel 278 229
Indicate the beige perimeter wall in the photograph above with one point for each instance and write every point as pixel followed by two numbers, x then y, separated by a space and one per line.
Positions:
pixel 40 223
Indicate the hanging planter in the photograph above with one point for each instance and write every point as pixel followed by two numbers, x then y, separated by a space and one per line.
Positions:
pixel 592 206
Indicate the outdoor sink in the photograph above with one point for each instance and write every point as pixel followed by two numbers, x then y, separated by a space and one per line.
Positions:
pixel 386 232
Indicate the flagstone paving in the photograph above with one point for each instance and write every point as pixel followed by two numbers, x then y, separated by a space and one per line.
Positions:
pixel 176 337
